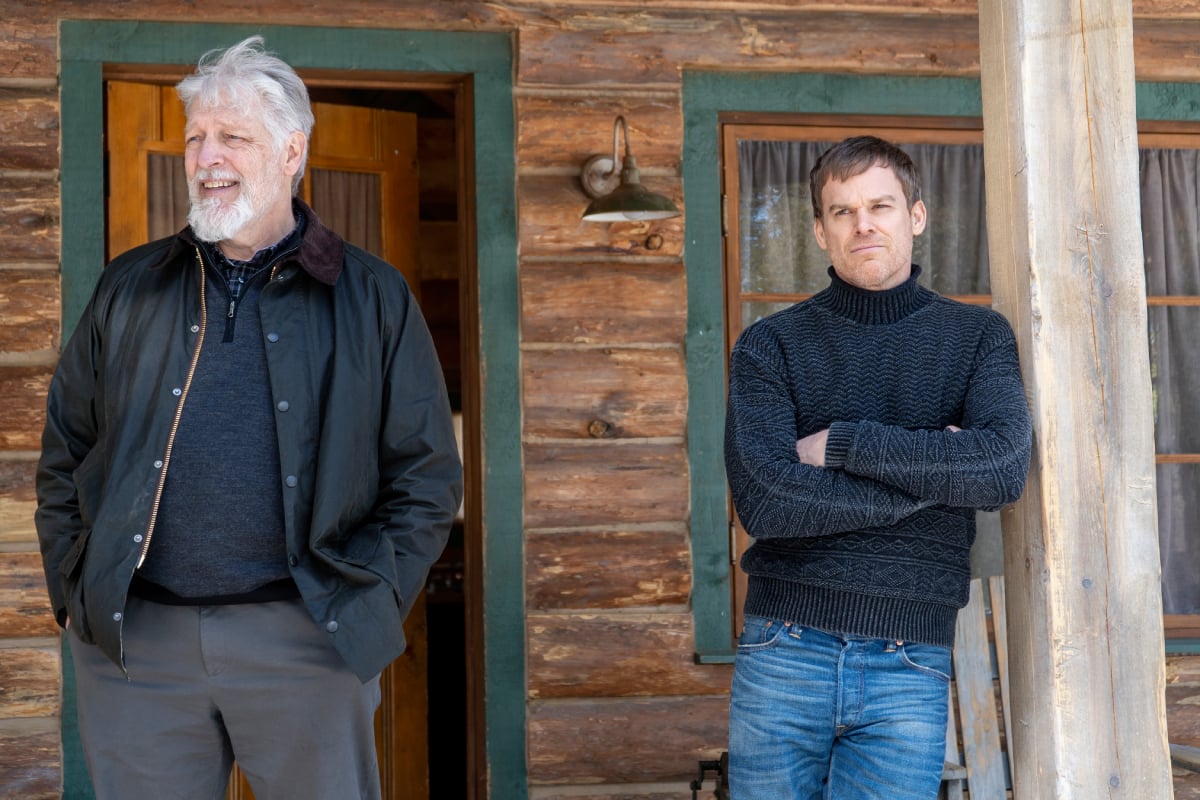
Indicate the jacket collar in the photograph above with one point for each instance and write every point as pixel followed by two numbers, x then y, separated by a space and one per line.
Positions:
pixel 320 254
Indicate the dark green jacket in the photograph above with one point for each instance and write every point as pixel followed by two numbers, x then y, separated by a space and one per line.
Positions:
pixel 370 468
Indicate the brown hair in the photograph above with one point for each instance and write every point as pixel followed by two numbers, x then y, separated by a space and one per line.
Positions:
pixel 856 155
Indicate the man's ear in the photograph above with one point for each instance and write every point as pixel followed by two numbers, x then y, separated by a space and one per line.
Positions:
pixel 819 232
pixel 918 215
pixel 294 149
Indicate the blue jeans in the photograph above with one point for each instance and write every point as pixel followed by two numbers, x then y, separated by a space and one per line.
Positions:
pixel 815 716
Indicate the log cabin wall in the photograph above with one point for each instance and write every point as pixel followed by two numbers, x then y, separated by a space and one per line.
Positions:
pixel 613 699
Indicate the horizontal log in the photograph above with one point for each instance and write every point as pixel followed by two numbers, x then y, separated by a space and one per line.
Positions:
pixel 612 393
pixel 22 406
pixel 28 129
pixel 609 303
pixel 17 502
pixel 29 310
pixel 24 603
pixel 31 768
pixel 607 569
pixel 637 791
pixel 653 45
pixel 624 741
pixel 552 208
pixel 29 218
pixel 29 681
pixel 617 655
pixel 611 486
pixel 655 130
pixel 1183 699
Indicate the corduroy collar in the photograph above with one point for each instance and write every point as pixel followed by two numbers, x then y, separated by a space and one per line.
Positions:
pixel 874 308
pixel 320 254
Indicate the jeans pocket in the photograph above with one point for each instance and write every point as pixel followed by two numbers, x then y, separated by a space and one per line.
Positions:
pixel 927 658
pixel 760 633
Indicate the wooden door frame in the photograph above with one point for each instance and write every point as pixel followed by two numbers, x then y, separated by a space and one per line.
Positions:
pixel 479 67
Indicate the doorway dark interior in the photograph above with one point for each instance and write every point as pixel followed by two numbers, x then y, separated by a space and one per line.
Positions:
pixel 439 289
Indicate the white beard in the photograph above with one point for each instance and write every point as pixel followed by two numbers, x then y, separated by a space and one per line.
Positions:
pixel 214 221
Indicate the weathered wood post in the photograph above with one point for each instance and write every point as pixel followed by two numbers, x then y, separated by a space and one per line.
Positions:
pixel 1081 548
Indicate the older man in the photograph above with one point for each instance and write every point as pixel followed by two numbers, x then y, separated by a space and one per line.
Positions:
pixel 866 426
pixel 248 468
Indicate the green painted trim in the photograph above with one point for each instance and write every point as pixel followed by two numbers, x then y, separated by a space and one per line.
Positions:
pixel 705 96
pixel 1183 647
pixel 85 46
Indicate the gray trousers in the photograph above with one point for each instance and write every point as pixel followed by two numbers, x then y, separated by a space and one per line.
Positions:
pixel 259 683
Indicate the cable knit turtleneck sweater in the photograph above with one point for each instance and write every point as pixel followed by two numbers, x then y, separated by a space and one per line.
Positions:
pixel 877 542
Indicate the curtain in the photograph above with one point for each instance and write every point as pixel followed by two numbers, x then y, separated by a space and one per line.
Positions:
pixel 779 254
pixel 166 195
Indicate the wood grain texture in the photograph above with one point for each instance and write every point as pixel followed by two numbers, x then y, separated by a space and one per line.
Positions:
pixel 624 741
pixel 29 311
pixel 28 129
pixel 617 655
pixel 23 406
pixel 29 681
pixel 29 216
pixel 608 302
pixel 552 206
pixel 612 393
pixel 607 569
pixel 31 767
pixel 18 501
pixel 568 485
pixel 655 129
pixel 24 603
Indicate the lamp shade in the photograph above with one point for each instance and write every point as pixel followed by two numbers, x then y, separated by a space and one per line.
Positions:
pixel 630 200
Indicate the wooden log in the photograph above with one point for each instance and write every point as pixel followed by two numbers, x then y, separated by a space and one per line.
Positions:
pixel 23 406
pixel 29 216
pixel 28 129
pixel 29 311
pixel 617 655
pixel 17 502
pixel 1081 549
pixel 607 569
pixel 624 741
pixel 655 129
pixel 29 681
pixel 1183 699
pixel 613 393
pixel 552 208
pixel 639 791
pixel 611 485
pixel 32 765
pixel 24 603
pixel 606 302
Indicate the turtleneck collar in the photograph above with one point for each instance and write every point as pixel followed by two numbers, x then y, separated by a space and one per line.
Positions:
pixel 874 308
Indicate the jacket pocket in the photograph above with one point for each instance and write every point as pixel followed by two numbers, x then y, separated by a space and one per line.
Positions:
pixel 71 573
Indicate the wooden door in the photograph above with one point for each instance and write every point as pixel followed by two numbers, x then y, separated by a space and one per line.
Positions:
pixel 362 181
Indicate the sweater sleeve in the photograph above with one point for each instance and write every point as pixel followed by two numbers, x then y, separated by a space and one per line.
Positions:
pixel 983 466
pixel 774 493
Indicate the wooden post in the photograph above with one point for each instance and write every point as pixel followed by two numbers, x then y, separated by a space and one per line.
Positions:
pixel 1081 548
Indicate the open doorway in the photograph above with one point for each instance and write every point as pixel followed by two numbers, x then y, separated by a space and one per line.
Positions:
pixel 393 151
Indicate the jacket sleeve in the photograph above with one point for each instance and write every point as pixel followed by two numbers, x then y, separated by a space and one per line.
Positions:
pixel 776 495
pixel 421 485
pixel 983 466
pixel 68 438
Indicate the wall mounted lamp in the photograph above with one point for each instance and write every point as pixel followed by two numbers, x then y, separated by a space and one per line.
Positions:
pixel 617 187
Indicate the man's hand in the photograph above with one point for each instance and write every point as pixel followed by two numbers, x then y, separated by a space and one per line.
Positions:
pixel 811 448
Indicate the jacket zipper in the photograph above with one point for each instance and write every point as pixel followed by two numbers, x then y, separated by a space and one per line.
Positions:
pixel 187 384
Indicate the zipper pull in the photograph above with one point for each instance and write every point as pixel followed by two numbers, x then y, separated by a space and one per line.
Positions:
pixel 232 303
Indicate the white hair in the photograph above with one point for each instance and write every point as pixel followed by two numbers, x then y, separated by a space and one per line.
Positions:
pixel 244 75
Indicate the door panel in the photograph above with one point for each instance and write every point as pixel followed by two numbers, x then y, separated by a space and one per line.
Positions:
pixel 362 181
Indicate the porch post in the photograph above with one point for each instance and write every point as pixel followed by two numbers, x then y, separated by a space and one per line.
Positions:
pixel 1081 548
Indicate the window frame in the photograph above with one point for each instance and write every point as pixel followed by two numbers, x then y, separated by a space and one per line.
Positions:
pixel 713 100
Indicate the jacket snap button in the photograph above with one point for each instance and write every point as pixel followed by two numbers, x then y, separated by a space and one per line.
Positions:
pixel 272 337
pixel 293 561
pixel 291 481
pixel 195 329
pixel 331 626
pixel 117 617
pixel 137 538
pixel 177 391
pixel 282 405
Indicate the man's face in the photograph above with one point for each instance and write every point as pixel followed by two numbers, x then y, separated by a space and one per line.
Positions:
pixel 867 229
pixel 239 180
